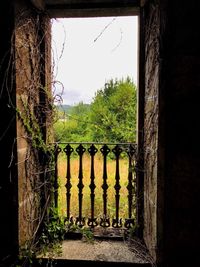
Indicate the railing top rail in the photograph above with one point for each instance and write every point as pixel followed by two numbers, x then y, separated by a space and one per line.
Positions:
pixel 95 143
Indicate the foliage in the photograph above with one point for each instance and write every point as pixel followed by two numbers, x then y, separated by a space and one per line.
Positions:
pixel 87 234
pixel 73 126
pixel 49 242
pixel 54 229
pixel 111 117
pixel 131 232
pixel 113 112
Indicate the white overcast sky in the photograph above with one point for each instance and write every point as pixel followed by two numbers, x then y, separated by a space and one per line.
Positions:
pixel 93 50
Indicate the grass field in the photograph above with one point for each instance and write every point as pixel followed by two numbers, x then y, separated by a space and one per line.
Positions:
pixel 111 166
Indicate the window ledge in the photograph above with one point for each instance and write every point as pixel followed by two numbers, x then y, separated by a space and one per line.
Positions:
pixel 100 252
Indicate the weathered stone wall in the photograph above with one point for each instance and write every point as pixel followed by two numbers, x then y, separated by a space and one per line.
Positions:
pixel 27 76
pixel 151 95
pixel 31 91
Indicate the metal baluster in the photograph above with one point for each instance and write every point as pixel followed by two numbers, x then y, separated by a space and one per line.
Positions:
pixel 116 221
pixel 105 221
pixel 68 151
pixel 80 221
pixel 57 150
pixel 92 222
pixel 130 221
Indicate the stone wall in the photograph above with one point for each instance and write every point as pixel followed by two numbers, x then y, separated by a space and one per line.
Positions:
pixel 151 95
pixel 27 85
pixel 31 106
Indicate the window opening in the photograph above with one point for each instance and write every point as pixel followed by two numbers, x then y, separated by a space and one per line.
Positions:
pixel 95 66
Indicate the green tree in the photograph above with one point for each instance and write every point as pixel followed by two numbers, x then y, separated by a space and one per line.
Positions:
pixel 113 112
pixel 111 117
pixel 80 114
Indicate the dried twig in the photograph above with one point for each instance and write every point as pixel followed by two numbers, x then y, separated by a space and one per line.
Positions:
pixel 104 29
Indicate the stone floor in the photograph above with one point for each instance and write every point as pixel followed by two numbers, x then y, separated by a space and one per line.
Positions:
pixel 107 248
pixel 99 250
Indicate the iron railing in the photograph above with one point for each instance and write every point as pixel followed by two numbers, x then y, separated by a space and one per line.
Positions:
pixel 126 151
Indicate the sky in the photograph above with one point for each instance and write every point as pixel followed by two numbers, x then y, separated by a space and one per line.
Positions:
pixel 88 52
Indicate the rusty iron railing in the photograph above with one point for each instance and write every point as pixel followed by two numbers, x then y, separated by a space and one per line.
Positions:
pixel 128 150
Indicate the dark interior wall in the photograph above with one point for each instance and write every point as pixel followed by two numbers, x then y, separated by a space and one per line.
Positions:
pixel 94 8
pixel 8 176
pixel 180 87
pixel 171 118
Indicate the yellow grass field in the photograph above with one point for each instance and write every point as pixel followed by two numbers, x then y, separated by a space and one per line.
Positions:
pixel 98 162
